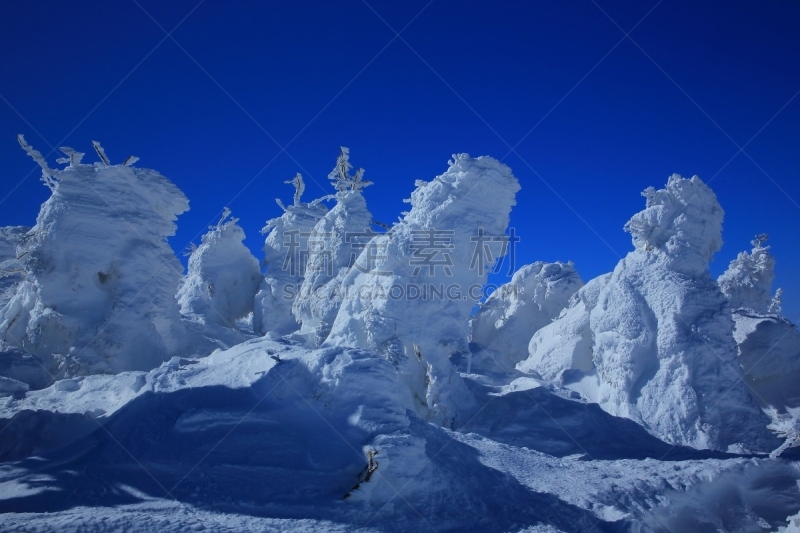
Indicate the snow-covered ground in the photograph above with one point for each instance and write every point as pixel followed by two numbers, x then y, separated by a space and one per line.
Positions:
pixel 637 402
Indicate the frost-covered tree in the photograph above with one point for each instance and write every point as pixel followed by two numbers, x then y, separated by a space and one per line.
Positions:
pixel 223 277
pixel 429 250
pixel 748 280
pixel 100 278
pixel 659 333
pixel 285 256
pixel 334 244
pixel 505 323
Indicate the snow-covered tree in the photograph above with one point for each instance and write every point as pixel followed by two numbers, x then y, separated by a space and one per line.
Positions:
pixel 429 250
pixel 223 277
pixel 100 278
pixel 285 256
pixel 505 323
pixel 748 280
pixel 334 244
pixel 662 346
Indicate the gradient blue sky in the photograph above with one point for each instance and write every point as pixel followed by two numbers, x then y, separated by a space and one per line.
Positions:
pixel 609 115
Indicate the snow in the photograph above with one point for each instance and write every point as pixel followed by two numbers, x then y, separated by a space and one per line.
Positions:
pixel 748 280
pixel 285 256
pixel 334 244
pixel 100 278
pixel 641 401
pixel 663 352
pixel 430 249
pixel 506 321
pixel 223 277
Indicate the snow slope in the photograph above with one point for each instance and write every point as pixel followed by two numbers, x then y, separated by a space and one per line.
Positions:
pixel 663 352
pixel 269 434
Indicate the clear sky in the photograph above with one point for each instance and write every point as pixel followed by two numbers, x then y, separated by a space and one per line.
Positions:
pixel 243 95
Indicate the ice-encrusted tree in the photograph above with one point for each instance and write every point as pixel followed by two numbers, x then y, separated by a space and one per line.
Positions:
pixel 660 332
pixel 505 323
pixel 334 244
pixel 223 277
pixel 100 278
pixel 429 249
pixel 748 280
pixel 285 256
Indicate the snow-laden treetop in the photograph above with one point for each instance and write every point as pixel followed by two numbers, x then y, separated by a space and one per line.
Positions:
pixel 682 223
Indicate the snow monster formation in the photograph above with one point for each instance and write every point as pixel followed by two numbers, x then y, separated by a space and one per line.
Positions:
pixel 285 255
pixel 411 291
pixel 654 341
pixel 333 244
pixel 100 279
pixel 769 344
pixel 223 277
pixel 505 323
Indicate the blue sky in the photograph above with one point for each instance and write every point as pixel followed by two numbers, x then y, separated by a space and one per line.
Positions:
pixel 594 116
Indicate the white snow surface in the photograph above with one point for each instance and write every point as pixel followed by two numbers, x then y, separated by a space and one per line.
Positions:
pixel 285 256
pixel 662 352
pixel 420 333
pixel 100 279
pixel 748 280
pixel 631 412
pixel 333 248
pixel 271 435
pixel 223 277
pixel 506 321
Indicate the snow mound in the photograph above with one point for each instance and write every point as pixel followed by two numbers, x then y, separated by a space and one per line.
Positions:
pixel 566 344
pixel 506 321
pixel 285 255
pixel 223 277
pixel 662 352
pixel 100 278
pixel 748 280
pixel 414 302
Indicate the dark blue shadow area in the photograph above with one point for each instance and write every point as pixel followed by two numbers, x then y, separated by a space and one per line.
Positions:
pixel 545 422
pixel 266 451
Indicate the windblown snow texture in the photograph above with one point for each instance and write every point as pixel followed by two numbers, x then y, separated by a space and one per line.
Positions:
pixel 100 278
pixel 663 352
pixel 421 331
pixel 334 245
pixel 285 255
pixel 505 323
pixel 223 277
pixel 375 430
pixel 748 280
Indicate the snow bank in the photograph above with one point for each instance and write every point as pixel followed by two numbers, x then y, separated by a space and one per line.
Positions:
pixel 285 254
pixel 334 243
pixel 423 279
pixel 506 321
pixel 223 277
pixel 100 278
pixel 663 352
